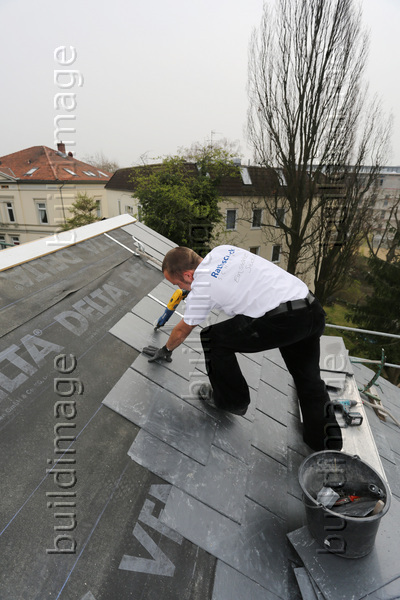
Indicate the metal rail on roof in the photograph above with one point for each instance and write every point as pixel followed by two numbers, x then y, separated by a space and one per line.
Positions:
pixel 363 331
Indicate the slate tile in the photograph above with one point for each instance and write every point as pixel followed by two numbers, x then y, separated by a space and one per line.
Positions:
pixel 260 551
pixel 305 584
pixel 137 333
pixel 270 437
pixel 181 426
pixel 296 514
pixel 250 369
pixel 275 356
pixel 197 522
pixel 165 415
pixel 295 436
pixel 275 376
pixel 272 402
pixel 220 484
pixel 234 436
pixel 382 439
pixel 231 584
pixel 256 357
pixel 150 311
pixel 267 483
pixel 294 462
pixel 358 577
pixel 161 375
pixel 257 548
pixel 393 476
pixel 161 459
pixel 391 591
pixel 133 397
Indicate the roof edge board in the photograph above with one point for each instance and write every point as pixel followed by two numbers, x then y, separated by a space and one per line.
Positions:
pixel 17 255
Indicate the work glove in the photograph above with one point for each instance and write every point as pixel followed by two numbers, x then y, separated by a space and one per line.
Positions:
pixel 158 353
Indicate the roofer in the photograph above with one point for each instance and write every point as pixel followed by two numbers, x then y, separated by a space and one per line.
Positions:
pixel 270 308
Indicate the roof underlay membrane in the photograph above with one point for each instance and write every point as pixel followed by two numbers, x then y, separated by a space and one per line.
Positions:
pixel 118 483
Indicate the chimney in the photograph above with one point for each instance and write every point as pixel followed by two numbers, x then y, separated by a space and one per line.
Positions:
pixel 61 147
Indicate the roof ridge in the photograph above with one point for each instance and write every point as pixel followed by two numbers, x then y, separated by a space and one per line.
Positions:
pixel 45 148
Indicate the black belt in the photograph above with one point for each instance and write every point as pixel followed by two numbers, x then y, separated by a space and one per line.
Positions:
pixel 292 305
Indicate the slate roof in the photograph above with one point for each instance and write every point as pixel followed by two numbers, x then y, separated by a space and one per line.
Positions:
pixel 41 164
pixel 264 181
pixel 164 493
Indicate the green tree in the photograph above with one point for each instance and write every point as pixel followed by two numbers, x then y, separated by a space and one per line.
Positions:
pixel 179 197
pixel 84 212
pixel 380 312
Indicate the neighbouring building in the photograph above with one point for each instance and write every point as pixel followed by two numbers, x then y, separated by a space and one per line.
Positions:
pixel 387 195
pixel 243 206
pixel 37 188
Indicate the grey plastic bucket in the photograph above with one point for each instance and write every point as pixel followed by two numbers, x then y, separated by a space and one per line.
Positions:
pixel 340 534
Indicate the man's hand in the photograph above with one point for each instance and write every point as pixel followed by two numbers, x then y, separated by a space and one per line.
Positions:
pixel 158 353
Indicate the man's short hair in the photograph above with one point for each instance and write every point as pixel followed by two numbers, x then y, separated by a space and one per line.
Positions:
pixel 180 259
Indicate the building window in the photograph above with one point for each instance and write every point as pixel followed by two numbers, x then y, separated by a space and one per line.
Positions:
pixel 2 242
pixel 257 218
pixel 255 250
pixel 98 209
pixel 129 210
pixel 245 176
pixel 41 206
pixel 231 219
pixel 280 217
pixel 10 211
pixel 15 240
pixel 276 254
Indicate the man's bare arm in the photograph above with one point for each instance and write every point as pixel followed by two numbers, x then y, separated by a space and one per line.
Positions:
pixel 179 334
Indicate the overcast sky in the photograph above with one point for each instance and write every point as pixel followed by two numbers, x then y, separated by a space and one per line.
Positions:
pixel 151 76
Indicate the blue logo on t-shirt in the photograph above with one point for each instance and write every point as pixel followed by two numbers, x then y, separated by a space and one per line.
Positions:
pixel 219 268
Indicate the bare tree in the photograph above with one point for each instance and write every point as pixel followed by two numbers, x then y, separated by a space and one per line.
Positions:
pixel 307 100
pixel 100 161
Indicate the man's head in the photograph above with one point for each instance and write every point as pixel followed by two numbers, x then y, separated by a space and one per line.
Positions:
pixel 179 265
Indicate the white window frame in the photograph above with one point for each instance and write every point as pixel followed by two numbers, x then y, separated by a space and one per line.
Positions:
pixel 15 240
pixel 260 211
pixel 42 211
pixel 276 260
pixel 231 210
pixel 10 212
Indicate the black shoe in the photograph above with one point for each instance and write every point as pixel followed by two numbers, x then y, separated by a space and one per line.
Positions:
pixel 206 395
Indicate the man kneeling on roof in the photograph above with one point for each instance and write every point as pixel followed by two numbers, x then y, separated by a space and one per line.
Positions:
pixel 269 308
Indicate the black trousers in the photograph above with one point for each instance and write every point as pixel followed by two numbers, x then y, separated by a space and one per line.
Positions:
pixel 297 335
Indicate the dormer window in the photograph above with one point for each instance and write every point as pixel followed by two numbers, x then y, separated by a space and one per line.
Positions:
pixel 70 172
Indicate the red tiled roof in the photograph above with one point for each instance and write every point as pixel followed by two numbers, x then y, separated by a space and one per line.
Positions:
pixel 40 163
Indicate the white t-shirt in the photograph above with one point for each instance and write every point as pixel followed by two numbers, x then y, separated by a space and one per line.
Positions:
pixel 239 282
